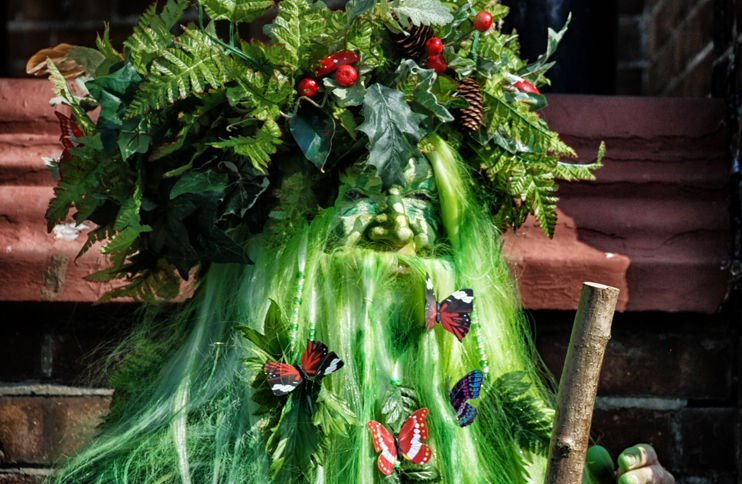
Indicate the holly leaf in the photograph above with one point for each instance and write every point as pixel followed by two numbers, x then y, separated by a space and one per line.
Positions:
pixel 313 130
pixel 393 131
pixel 421 12
pixel 422 93
pixel 236 10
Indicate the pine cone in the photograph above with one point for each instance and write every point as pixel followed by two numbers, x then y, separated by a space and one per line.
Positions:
pixel 471 117
pixel 413 46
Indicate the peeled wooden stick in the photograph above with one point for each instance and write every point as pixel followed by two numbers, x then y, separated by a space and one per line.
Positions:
pixel 579 383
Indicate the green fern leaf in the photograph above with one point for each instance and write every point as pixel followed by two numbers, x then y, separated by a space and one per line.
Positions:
pixel 257 149
pixel 177 73
pixel 529 420
pixel 236 10
pixel 105 47
pixel 294 26
pixel 263 97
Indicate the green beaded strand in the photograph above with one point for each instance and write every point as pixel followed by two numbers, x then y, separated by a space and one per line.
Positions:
pixel 294 320
pixel 477 333
pixel 313 318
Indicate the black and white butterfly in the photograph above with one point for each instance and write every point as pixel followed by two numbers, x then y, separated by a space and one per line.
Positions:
pixel 315 363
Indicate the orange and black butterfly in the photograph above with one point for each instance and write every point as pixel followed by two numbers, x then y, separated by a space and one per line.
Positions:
pixel 315 363
pixel 409 443
pixel 453 313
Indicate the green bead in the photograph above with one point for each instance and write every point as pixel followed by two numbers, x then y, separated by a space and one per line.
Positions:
pixel 484 364
pixel 396 382
pixel 480 350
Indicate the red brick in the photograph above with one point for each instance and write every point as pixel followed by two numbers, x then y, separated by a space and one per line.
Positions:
pixel 708 440
pixel 40 430
pixel 619 429
pixel 17 478
pixel 650 355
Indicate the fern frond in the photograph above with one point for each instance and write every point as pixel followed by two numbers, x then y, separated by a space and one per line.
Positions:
pixel 295 25
pixel 61 89
pixel 257 149
pixel 176 74
pixel 529 420
pixel 236 10
pixel 105 47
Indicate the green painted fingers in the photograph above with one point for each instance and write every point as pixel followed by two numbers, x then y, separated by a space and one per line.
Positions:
pixel 398 219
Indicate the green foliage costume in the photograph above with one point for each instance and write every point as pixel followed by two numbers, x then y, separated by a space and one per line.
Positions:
pixel 206 160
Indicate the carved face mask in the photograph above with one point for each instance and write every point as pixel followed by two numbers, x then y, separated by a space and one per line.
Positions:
pixel 403 219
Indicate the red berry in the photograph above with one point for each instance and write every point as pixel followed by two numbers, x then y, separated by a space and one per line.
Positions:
pixel 346 75
pixel 483 21
pixel 308 87
pixel 332 62
pixel 526 86
pixel 434 46
pixel 437 63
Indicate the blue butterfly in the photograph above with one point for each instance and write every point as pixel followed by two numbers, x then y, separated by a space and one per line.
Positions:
pixel 468 388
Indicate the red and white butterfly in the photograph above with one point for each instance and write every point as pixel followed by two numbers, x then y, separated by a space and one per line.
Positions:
pixel 409 443
pixel 315 363
pixel 452 313
pixel 70 134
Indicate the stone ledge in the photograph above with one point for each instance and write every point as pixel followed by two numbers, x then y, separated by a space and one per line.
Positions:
pixel 654 224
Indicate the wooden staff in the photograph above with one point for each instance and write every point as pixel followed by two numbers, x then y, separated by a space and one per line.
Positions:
pixel 579 383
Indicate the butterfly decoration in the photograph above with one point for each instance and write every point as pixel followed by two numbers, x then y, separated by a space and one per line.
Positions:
pixel 71 132
pixel 316 362
pixel 468 388
pixel 409 443
pixel 452 313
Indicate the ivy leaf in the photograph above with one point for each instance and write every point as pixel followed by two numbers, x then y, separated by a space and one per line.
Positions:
pixel 240 196
pixel 421 12
pixel 200 181
pixel 463 66
pixel 354 8
pixel 393 131
pixel 422 93
pixel 347 96
pixel 533 72
pixel 459 16
pixel 313 130
pixel 236 10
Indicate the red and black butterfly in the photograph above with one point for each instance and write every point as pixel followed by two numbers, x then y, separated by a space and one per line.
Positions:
pixel 70 134
pixel 315 363
pixel 452 313
pixel 409 443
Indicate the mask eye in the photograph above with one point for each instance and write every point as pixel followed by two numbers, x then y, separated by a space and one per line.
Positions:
pixel 354 195
pixel 418 196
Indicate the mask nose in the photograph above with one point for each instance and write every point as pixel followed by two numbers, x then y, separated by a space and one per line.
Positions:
pixel 392 225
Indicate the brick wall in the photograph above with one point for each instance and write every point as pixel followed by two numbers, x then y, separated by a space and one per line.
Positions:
pixel 664 46
pixel 668 379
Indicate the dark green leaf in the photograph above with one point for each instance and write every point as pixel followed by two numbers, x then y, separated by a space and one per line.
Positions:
pixel 200 181
pixel 399 405
pixel 114 92
pixel 242 196
pixel 354 8
pixel 393 131
pixel 427 473
pixel 422 92
pixel 313 130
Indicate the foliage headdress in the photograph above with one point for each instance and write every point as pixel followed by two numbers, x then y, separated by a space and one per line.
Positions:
pixel 203 142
